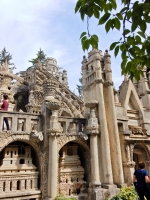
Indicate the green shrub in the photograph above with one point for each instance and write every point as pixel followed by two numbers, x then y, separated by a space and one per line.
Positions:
pixel 126 193
pixel 61 197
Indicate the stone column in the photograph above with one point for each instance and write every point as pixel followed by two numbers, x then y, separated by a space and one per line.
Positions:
pixel 28 184
pixel 22 185
pixel 115 149
pixel 35 183
pixel 104 145
pixel 93 130
pixel 14 124
pixel 1 187
pixel 14 185
pixel 54 130
pixel 7 186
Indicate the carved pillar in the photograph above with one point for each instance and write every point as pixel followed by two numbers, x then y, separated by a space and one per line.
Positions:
pixel 22 185
pixel 1 187
pixel 93 130
pixel 104 143
pixel 55 129
pixel 14 123
pixel 34 182
pixel 116 158
pixel 129 165
pixel 7 186
pixel 14 185
pixel 28 184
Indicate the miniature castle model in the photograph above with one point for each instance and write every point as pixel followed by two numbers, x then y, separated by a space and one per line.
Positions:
pixel 59 142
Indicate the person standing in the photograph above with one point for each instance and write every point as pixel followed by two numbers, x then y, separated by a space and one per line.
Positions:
pixel 140 178
pixel 4 106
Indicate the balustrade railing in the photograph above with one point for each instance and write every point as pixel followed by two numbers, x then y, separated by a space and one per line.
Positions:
pixel 72 125
pixel 19 121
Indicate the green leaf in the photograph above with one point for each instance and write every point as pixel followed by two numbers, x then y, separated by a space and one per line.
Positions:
pixel 138 38
pixel 86 44
pixel 82 14
pixel 95 38
pixel 116 50
pixel 109 6
pixel 132 52
pixel 130 40
pixel 147 18
pixel 126 31
pixel 83 39
pixel 119 16
pixel 123 55
pixel 123 65
pixel 140 59
pixel 82 34
pixel 129 13
pixel 108 25
pixel 123 47
pixel 143 26
pixel 104 18
pixel 117 23
pixel 96 14
pixel 78 4
pixel 114 5
pixel 122 10
pixel 112 46
pixel 93 42
pixel 141 34
pixel 135 24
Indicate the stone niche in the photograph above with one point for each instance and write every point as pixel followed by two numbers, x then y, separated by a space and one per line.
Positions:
pixel 71 173
pixel 18 176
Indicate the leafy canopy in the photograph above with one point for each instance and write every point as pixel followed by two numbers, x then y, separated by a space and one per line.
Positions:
pixel 40 57
pixel 132 22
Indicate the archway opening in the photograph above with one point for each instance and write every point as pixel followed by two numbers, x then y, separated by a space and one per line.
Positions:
pixel 74 169
pixel 24 165
pixel 139 154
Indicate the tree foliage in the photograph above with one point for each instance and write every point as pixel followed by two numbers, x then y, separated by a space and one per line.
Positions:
pixel 132 22
pixel 4 55
pixel 40 57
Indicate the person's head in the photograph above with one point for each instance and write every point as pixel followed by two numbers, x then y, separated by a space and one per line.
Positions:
pixel 142 165
pixel 5 96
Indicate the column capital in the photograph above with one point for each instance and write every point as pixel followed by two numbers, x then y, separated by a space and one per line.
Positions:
pixel 108 83
pixel 53 104
pixel 93 126
pixel 54 132
pixel 98 80
pixel 93 129
pixel 129 164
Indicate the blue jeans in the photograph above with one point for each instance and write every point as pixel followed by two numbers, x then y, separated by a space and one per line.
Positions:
pixel 6 122
pixel 143 191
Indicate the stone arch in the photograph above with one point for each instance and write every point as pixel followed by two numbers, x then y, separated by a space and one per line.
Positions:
pixel 62 140
pixel 42 154
pixel 76 182
pixel 140 153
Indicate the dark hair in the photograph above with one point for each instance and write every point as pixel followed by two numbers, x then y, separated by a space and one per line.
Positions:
pixel 5 96
pixel 142 165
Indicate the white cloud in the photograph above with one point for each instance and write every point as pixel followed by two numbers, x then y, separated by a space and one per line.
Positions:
pixel 27 25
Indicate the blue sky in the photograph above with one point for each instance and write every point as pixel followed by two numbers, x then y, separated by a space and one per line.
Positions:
pixel 27 25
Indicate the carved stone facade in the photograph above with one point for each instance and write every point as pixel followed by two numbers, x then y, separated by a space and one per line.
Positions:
pixel 87 148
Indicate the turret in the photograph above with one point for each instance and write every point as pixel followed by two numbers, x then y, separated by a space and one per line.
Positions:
pixel 84 70
pixel 107 65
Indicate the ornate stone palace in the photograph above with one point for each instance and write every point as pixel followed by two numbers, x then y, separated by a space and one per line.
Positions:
pixel 58 142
